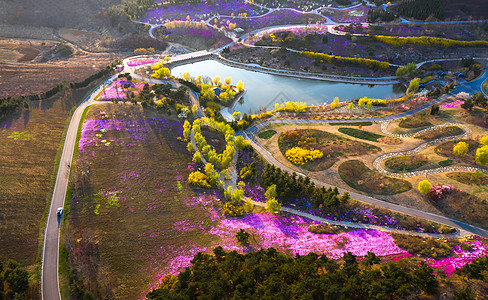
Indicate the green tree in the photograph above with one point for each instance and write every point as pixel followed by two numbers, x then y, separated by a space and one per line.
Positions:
pixel 17 279
pixel 424 186
pixel 482 155
pixel 270 192
pixel 484 141
pixel 273 206
pixel 413 86
pixel 460 149
pixel 186 130
pixel 242 236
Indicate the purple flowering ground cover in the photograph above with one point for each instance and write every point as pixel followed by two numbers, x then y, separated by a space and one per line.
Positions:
pixel 199 11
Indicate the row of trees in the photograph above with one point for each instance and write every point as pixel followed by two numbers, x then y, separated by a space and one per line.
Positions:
pixel 397 41
pixel 268 274
pixel 370 63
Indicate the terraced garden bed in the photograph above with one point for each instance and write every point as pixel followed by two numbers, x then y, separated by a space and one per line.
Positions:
pixel 440 133
pixel 357 175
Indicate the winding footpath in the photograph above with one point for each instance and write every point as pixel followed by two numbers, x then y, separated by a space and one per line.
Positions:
pixel 377 163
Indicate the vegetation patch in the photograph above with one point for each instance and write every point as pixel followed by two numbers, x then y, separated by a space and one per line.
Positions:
pixel 440 133
pixel 357 175
pixel 415 121
pixel 328 229
pixel 267 134
pixel 470 178
pixel 446 163
pixel 464 207
pixel 406 162
pixel 361 134
pixel 332 146
pixel 425 247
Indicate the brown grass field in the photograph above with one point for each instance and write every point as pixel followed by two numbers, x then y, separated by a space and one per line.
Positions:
pixel 29 141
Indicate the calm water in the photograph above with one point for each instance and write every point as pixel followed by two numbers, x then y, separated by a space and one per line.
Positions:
pixel 264 90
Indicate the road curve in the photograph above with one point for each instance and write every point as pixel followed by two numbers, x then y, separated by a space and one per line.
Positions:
pixel 50 253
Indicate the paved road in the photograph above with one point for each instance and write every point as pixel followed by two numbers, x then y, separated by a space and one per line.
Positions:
pixel 50 253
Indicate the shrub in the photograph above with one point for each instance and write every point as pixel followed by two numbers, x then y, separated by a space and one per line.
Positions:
pixel 460 149
pixel 446 163
pixel 232 210
pixel 424 187
pixel 242 236
pixel 199 179
pixel 273 206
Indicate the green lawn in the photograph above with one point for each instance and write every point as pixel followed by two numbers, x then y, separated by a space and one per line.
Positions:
pixel 361 134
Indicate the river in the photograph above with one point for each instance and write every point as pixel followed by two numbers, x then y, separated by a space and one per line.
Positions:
pixel 264 90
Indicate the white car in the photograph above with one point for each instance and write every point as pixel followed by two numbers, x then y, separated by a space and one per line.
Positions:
pixel 59 212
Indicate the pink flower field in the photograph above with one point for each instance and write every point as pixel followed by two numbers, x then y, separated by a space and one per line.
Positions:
pixel 460 257
pixel 291 235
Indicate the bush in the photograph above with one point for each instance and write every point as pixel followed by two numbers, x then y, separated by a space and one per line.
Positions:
pixel 424 187
pixel 446 163
pixel 300 156
pixel 197 178
pixel 232 210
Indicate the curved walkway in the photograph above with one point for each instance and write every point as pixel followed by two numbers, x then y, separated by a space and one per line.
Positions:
pixel 378 162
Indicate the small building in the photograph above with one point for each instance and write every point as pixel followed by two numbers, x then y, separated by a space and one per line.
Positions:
pixel 217 91
pixel 441 74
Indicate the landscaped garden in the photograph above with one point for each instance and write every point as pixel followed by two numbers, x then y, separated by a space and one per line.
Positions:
pixel 361 134
pixel 330 145
pixel 357 175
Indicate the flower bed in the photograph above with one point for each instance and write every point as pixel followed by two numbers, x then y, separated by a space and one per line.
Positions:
pixel 141 61
pixel 453 104
pixel 460 258
pixel 117 90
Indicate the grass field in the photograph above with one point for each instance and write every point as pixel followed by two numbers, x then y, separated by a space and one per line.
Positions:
pixel 416 121
pixel 29 141
pixel 361 134
pixel 357 175
pixel 333 146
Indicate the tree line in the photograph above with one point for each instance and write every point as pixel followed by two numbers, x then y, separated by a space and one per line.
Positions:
pixel 268 274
